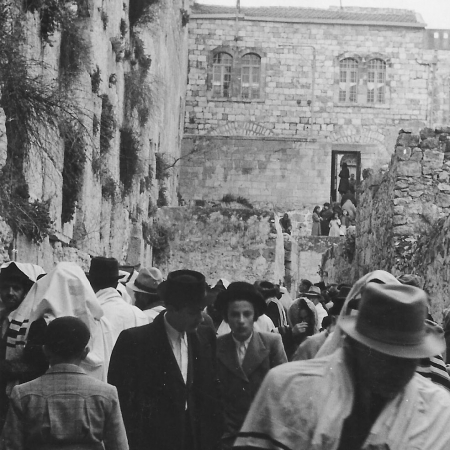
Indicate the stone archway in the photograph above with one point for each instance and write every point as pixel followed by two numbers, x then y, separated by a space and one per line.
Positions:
pixel 241 129
pixel 357 135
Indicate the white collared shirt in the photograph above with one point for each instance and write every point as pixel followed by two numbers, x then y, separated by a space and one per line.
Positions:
pixel 178 342
pixel 241 348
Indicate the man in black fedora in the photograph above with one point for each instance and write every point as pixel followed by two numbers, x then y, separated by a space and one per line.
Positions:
pixel 104 276
pixel 365 395
pixel 165 373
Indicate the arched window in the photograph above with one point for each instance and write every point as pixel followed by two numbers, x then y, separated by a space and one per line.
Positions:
pixel 222 64
pixel 348 80
pixel 250 76
pixel 376 81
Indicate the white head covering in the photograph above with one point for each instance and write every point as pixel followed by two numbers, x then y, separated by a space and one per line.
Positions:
pixel 65 291
pixel 336 339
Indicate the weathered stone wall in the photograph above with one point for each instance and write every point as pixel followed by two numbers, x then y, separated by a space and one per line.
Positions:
pixel 101 225
pixel 236 244
pixel 402 217
pixel 286 173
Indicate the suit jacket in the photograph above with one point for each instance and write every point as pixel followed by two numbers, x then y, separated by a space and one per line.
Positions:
pixel 240 384
pixel 153 394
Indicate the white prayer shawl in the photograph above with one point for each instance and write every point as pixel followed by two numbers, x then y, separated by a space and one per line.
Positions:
pixel 65 291
pixel 303 405
pixel 120 314
pixel 124 293
pixel 19 318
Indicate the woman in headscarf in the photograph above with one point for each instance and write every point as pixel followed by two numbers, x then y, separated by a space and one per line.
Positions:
pixel 303 322
pixel 64 291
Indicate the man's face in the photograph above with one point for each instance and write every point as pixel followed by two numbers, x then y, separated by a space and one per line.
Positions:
pixel 12 294
pixel 186 319
pixel 241 317
pixel 382 374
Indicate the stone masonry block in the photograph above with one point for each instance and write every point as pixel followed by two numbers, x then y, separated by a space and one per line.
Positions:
pixel 409 168
pixel 403 153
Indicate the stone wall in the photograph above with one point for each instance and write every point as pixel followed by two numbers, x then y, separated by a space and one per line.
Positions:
pixel 111 224
pixel 402 217
pixel 236 244
pixel 286 174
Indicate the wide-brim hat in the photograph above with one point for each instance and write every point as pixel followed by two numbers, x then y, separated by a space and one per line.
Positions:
pixel 183 288
pixel 147 281
pixel 241 290
pixel 267 289
pixel 392 320
pixel 103 269
pixel 314 291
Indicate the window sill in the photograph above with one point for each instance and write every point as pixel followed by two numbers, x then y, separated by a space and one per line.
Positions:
pixel 363 105
pixel 236 100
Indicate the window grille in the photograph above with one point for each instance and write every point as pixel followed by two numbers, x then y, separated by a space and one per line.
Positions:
pixel 348 80
pixel 250 76
pixel 222 65
pixel 376 81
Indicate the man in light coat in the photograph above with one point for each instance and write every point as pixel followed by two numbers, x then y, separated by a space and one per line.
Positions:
pixel 365 395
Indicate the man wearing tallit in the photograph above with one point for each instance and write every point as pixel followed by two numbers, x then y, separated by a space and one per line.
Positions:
pixel 364 394
pixel 16 279
pixel 64 291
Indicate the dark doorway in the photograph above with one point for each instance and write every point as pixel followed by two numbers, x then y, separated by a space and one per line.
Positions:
pixel 353 160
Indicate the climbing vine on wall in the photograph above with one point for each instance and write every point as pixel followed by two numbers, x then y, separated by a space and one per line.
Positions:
pixel 74 161
pixel 130 148
pixel 107 125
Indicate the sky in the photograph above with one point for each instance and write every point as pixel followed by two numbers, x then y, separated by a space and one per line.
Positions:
pixel 435 13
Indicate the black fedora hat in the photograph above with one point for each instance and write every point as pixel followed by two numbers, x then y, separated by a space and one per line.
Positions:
pixel 241 290
pixel 392 320
pixel 183 288
pixel 103 269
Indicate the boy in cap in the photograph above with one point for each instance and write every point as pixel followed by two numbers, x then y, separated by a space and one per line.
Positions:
pixel 65 408
pixel 165 373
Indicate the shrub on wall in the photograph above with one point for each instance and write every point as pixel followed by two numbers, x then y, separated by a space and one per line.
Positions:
pixel 138 9
pixel 107 125
pixel 74 161
pixel 162 167
pixel 158 236
pixel 130 148
pixel 139 96
pixel 109 187
pixel 96 80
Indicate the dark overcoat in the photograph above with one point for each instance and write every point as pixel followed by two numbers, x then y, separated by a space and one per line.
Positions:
pixel 241 383
pixel 153 394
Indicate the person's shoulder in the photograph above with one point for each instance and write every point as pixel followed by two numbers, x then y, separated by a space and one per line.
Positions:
pixel 431 393
pixel 269 338
pixel 297 373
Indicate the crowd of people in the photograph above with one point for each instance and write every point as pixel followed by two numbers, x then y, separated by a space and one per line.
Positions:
pixel 337 218
pixel 116 359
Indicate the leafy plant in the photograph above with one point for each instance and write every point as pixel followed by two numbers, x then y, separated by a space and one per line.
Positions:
pixel 139 96
pixel 105 20
pixel 184 17
pixel 130 148
pixel 162 197
pixel 138 10
pixel 123 28
pixel 96 79
pixel 144 60
pixel 95 125
pixel 161 172
pixel 158 236
pixel 107 125
pixel 109 187
pixel 243 201
pixel 74 161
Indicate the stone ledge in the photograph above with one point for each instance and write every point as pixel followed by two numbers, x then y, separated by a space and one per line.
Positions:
pixel 250 138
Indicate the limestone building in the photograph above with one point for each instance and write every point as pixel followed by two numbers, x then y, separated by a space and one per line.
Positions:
pixel 278 98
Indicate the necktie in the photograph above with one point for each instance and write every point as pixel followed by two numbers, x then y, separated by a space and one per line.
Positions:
pixel 241 353
pixel 183 356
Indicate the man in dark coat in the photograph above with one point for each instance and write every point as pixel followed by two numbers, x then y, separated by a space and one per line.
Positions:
pixel 165 373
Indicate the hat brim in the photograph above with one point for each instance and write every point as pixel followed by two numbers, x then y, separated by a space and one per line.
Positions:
pixel 432 344
pixel 136 289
